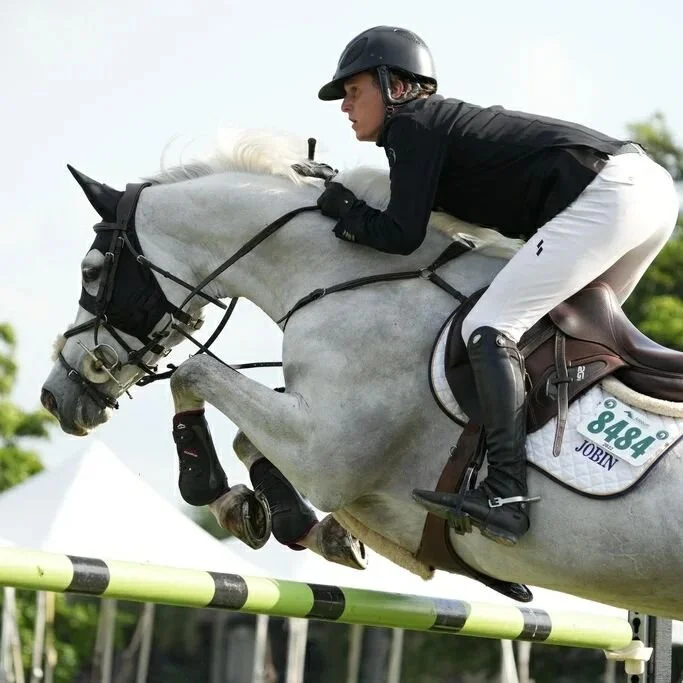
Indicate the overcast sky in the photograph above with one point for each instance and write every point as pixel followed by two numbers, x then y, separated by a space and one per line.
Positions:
pixel 106 86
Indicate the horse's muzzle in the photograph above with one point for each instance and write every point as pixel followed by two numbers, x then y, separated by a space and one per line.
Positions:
pixel 49 402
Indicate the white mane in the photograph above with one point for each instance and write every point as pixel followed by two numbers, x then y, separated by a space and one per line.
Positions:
pixel 249 151
pixel 269 153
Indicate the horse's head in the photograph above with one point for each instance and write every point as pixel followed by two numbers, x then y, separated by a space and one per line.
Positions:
pixel 124 322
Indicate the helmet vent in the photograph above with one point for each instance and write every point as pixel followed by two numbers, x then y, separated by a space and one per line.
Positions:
pixel 409 35
pixel 353 53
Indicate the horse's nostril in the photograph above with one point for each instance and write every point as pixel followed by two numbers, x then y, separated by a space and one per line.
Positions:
pixel 49 402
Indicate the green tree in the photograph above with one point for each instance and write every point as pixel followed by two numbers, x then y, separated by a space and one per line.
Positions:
pixel 75 622
pixel 16 463
pixel 656 305
pixel 656 136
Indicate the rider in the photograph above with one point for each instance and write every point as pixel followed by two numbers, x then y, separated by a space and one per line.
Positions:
pixel 588 205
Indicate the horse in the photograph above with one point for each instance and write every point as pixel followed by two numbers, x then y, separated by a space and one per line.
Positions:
pixel 356 428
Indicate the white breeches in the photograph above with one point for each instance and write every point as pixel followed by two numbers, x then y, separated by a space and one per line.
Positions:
pixel 612 231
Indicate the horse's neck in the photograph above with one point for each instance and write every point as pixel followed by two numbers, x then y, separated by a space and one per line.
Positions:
pixel 191 228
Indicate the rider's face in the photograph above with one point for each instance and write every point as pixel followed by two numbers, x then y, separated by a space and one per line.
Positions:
pixel 364 106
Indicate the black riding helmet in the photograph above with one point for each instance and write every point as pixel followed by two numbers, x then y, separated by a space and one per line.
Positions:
pixel 382 48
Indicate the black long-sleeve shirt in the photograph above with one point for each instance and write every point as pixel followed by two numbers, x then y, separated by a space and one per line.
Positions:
pixel 507 170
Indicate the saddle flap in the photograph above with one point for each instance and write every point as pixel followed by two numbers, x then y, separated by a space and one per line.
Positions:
pixel 586 363
pixel 435 548
pixel 458 370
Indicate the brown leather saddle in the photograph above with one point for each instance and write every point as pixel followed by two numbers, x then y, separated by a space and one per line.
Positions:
pixel 578 343
pixel 581 341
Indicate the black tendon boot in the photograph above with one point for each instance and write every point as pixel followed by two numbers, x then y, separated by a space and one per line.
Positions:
pixel 202 479
pixel 292 515
pixel 497 507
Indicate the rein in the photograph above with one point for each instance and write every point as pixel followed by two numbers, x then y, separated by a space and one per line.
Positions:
pixel 123 234
pixel 452 251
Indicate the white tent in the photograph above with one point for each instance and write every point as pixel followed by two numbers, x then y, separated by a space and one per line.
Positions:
pixel 92 505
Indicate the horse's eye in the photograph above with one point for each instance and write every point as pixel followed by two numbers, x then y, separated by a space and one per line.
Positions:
pixel 91 274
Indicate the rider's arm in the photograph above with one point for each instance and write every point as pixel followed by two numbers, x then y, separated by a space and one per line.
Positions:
pixel 415 156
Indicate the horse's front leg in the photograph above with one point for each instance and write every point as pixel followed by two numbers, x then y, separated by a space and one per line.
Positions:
pixel 281 427
pixel 294 521
pixel 276 423
pixel 202 480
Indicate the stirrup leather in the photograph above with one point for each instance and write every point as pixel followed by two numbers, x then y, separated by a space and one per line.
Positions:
pixel 458 520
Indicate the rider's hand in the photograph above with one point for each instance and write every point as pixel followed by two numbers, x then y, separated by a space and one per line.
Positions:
pixel 315 169
pixel 336 201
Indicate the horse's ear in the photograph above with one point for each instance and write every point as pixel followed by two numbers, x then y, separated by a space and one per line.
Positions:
pixel 103 198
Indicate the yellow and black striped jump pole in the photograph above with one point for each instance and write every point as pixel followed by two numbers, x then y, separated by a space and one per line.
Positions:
pixel 44 571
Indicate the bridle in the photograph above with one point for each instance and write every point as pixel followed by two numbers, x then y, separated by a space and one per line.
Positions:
pixel 123 235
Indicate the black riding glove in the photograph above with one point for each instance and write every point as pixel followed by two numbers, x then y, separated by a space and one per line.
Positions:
pixel 315 169
pixel 336 201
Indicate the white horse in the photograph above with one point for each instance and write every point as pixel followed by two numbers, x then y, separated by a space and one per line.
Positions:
pixel 357 428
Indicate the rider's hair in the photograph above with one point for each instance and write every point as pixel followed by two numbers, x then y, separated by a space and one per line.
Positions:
pixel 415 87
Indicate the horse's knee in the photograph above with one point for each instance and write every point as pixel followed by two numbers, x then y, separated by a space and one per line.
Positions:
pixel 329 493
pixel 245 449
pixel 184 376
pixel 183 382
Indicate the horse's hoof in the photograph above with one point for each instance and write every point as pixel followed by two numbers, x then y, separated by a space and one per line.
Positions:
pixel 245 514
pixel 336 544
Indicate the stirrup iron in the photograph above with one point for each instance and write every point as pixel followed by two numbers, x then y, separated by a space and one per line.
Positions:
pixel 497 502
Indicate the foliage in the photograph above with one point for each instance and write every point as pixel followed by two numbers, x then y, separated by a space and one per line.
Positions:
pixel 655 135
pixel 75 630
pixel 656 305
pixel 16 463
pixel 75 622
pixel 433 658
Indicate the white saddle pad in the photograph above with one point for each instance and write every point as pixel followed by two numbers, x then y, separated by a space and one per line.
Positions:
pixel 613 436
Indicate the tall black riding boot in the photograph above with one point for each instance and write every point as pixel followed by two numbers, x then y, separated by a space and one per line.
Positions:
pixel 495 506
pixel 498 505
